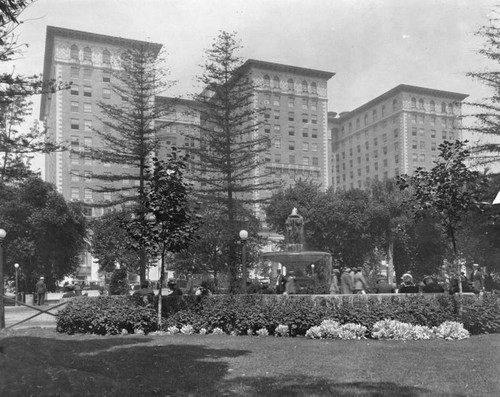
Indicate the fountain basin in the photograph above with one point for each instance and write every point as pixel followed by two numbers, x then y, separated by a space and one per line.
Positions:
pixel 296 261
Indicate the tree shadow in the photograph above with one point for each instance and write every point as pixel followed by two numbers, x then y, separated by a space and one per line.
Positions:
pixel 109 367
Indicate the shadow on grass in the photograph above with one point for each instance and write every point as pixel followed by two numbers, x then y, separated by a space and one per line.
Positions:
pixel 142 366
pixel 309 386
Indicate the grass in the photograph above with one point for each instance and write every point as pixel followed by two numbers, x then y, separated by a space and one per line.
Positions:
pixel 40 362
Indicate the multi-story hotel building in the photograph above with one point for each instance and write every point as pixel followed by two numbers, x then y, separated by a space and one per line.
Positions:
pixel 88 61
pixel 393 134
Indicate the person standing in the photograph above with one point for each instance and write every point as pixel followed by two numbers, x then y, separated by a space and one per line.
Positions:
pixel 360 284
pixel 290 287
pixel 346 284
pixel 477 279
pixel 41 290
pixel 334 284
pixel 280 282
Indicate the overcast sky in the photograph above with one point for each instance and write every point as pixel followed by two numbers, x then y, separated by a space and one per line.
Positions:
pixel 370 45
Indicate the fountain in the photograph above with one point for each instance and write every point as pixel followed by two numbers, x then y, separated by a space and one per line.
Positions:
pixel 294 258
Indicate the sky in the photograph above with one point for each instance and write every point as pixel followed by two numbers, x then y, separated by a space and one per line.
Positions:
pixel 371 45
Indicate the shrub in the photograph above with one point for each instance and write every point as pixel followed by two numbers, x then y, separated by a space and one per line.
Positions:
pixel 105 315
pixel 187 330
pixel 262 332
pixel 452 330
pixel 282 330
pixel 393 329
pixel 330 329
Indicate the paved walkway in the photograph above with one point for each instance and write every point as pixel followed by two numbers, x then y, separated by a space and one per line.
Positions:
pixel 15 314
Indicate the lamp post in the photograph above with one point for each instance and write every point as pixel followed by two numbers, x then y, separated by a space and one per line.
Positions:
pixel 312 269
pixel 2 309
pixel 243 238
pixel 16 266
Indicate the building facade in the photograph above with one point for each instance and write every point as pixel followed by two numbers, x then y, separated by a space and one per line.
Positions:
pixel 87 61
pixel 393 134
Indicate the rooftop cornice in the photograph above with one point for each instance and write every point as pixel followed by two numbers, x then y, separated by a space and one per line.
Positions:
pixel 287 69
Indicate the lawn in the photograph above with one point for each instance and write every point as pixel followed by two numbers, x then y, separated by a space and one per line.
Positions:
pixel 40 362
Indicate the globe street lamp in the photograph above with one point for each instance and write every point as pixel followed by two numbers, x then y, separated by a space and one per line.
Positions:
pixel 2 309
pixel 17 290
pixel 312 269
pixel 243 238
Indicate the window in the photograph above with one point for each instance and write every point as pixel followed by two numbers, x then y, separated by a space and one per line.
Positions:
pixel 277 129
pixel 107 196
pixel 74 53
pixel 384 150
pixel 305 132
pixel 414 144
pixel 277 144
pixel 267 81
pixel 396 133
pixel 305 103
pixel 75 106
pixel 314 119
pixel 396 158
pixel 267 129
pixel 314 133
pixel 443 107
pixel 87 91
pixel 87 107
pixel 314 147
pixel 413 103
pixel 87 54
pixel 414 157
pixel 314 88
pixel 413 118
pixel 276 82
pixel 276 114
pixel 88 194
pixel 87 73
pixel 421 131
pixel 87 125
pixel 305 161
pixel 374 115
pixel 75 193
pixel 314 105
pixel 422 145
pixel 106 93
pixel 267 115
pixel 276 100
pixel 396 145
pixel 74 176
pixel 75 72
pixel 291 145
pixel 433 146
pixel 433 133
pixel 433 106
pixel 433 120
pixel 422 157
pixel 290 85
pixel 385 162
pixel 304 87
pixel 375 154
pixel 88 176
pixel 421 103
pixel 383 111
pixel 75 124
pixel 305 118
pixel 305 146
pixel 375 141
pixel 106 57
pixel 106 76
pixel 291 116
pixel 291 130
pixel 421 119
pixel 74 89
pixel 413 131
pixel 291 159
pixel 291 101
pixel 444 134
pixel 277 158
pixel 394 105
pixel 375 165
pixel 450 108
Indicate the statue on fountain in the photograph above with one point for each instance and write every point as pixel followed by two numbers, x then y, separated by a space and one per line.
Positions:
pixel 295 231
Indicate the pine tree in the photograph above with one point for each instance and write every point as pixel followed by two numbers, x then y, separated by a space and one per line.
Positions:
pixel 228 156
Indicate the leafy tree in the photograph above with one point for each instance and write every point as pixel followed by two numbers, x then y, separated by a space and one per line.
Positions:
pixel 448 192
pixel 129 136
pixel 45 234
pixel 110 243
pixel 228 148
pixel 168 223
pixel 18 144
pixel 119 285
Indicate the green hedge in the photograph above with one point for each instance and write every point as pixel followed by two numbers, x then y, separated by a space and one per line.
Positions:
pixel 105 315
pixel 240 313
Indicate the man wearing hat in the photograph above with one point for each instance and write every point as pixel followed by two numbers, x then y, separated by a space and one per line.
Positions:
pixel 41 290
pixel 477 279
pixel 172 288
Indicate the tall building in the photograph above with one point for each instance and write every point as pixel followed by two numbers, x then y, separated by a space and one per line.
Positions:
pixel 296 121
pixel 88 61
pixel 393 134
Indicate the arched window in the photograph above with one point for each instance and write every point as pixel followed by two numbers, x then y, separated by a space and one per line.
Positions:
pixel 374 114
pixel 304 86
pixel 106 57
pixel 290 85
pixel 433 106
pixel 383 111
pixel 421 103
pixel 394 105
pixel 413 103
pixel 443 107
pixel 267 81
pixel 87 54
pixel 74 52
pixel 366 119
pixel 314 88
pixel 276 82
pixel 450 108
